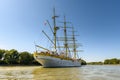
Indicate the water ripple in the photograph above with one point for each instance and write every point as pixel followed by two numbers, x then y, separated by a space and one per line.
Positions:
pixel 89 72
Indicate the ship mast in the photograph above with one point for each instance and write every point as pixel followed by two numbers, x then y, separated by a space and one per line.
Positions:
pixel 74 44
pixel 65 39
pixel 55 28
pixel 65 36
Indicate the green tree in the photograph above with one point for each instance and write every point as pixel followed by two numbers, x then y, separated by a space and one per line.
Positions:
pixel 114 61
pixel 11 57
pixel 111 61
pixel 119 61
pixel 83 62
pixel 1 53
pixel 107 61
pixel 25 58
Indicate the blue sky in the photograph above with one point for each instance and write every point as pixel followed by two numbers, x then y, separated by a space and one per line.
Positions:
pixel 97 23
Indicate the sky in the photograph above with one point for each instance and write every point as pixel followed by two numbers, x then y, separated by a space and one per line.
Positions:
pixel 97 22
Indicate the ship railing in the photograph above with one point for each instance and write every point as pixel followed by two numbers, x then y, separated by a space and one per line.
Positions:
pixel 52 54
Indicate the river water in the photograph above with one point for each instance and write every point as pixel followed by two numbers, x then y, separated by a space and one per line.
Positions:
pixel 89 72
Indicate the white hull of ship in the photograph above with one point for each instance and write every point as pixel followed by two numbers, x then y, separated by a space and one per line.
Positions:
pixel 48 61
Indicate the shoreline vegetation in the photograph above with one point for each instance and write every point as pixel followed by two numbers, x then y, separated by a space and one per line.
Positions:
pixel 113 61
pixel 14 58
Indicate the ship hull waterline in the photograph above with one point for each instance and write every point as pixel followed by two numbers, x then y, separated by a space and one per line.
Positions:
pixel 49 62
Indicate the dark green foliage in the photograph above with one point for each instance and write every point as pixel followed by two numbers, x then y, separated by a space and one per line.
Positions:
pixel 107 61
pixel 1 53
pixel 83 62
pixel 11 57
pixel 2 62
pixel 95 63
pixel 35 62
pixel 25 58
pixel 112 61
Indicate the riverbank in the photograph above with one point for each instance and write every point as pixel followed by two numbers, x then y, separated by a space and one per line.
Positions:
pixel 113 61
pixel 20 65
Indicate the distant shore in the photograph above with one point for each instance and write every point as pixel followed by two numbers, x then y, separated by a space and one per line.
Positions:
pixel 113 61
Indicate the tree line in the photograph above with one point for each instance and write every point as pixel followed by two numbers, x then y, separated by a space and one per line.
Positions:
pixel 106 61
pixel 11 57
pixel 112 61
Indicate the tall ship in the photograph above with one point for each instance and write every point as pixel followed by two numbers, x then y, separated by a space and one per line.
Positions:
pixel 64 53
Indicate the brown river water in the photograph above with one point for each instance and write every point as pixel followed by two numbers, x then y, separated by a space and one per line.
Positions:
pixel 88 72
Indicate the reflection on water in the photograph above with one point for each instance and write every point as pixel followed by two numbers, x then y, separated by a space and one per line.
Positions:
pixel 16 73
pixel 89 72
pixel 58 73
